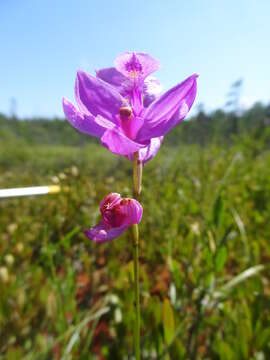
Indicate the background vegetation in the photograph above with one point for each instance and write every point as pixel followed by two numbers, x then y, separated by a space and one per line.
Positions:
pixel 204 244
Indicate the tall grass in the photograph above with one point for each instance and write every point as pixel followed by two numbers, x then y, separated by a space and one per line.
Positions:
pixel 204 255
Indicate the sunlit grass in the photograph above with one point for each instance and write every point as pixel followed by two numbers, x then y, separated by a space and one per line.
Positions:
pixel 205 247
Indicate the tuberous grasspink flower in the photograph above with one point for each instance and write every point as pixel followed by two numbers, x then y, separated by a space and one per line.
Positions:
pixel 118 214
pixel 124 106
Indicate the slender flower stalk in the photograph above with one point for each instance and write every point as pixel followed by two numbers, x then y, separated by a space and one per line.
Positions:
pixel 137 180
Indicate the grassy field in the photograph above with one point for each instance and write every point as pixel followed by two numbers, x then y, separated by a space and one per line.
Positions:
pixel 204 255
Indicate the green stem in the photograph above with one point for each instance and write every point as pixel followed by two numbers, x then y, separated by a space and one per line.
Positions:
pixel 135 232
pixel 137 179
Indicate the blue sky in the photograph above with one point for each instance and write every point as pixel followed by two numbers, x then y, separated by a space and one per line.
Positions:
pixel 43 43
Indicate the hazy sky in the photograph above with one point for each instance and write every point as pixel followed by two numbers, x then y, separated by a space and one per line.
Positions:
pixel 43 43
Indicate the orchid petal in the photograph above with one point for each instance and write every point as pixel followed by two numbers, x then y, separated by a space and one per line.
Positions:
pixel 132 210
pixel 147 153
pixel 159 116
pixel 102 232
pixel 181 113
pixel 109 208
pixel 115 138
pixel 104 123
pixel 151 90
pixel 131 126
pixel 97 97
pixel 136 65
pixel 117 215
pixel 112 199
pixel 151 150
pixel 116 79
pixel 118 143
pixel 82 122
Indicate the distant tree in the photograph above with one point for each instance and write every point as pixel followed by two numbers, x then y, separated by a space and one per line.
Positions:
pixel 13 108
pixel 233 97
pixel 233 104
pixel 267 116
pixel 203 125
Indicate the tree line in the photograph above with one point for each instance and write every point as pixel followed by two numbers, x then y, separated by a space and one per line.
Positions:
pixel 217 127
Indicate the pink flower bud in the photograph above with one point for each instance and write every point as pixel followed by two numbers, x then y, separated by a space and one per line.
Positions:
pixel 118 214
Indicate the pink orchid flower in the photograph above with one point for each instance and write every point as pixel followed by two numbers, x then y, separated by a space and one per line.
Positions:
pixel 118 214
pixel 124 107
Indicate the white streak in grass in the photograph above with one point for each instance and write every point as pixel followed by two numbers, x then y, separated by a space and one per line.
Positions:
pixel 29 191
